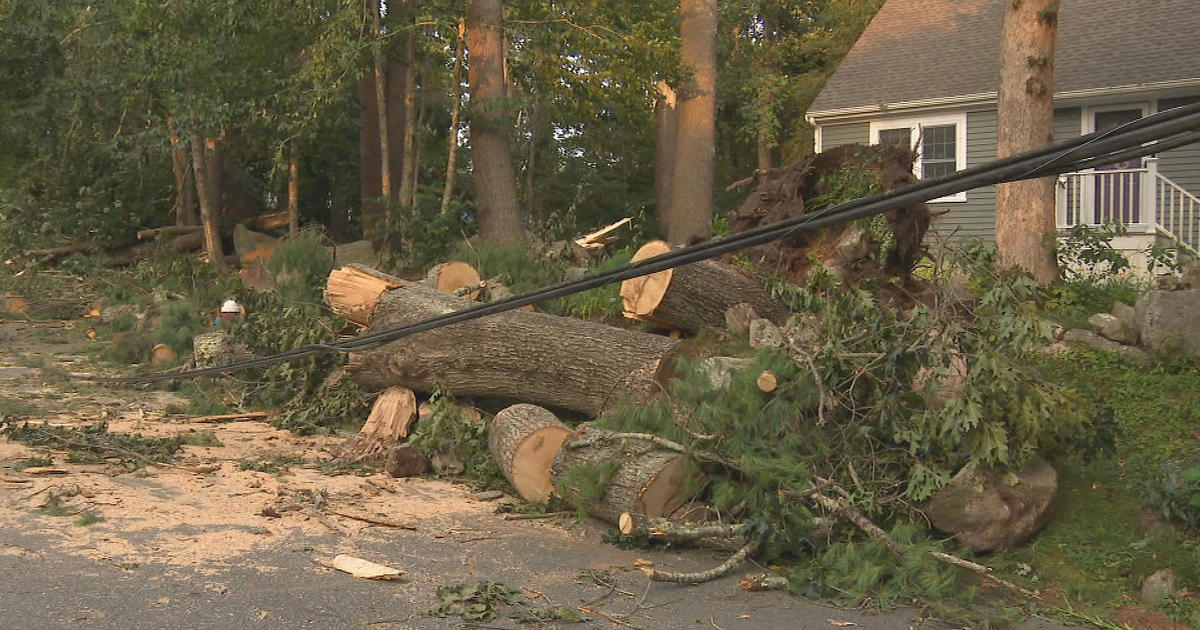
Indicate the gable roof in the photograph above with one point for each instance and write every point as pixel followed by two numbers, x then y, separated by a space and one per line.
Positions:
pixel 923 50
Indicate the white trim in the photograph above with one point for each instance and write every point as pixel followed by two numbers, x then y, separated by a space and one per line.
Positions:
pixel 983 98
pixel 915 124
pixel 818 138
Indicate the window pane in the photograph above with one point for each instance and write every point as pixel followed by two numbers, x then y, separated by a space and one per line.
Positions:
pixel 938 142
pixel 934 169
pixel 902 137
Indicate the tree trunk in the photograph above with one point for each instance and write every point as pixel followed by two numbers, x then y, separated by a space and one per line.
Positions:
pixel 371 188
pixel 455 105
pixel 455 275
pixel 416 147
pixel 695 141
pixel 499 211
pixel 517 355
pixel 608 474
pixel 764 151
pixel 293 191
pixel 185 185
pixel 524 439
pixel 1025 213
pixel 381 105
pixel 695 296
pixel 664 151
pixel 408 164
pixel 353 291
pixel 202 161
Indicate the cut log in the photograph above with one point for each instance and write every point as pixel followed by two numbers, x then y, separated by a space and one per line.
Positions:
pixel 189 242
pixel 675 532
pixel 161 354
pixel 608 476
pixel 524 440
pixel 170 230
pixel 695 296
pixel 767 382
pixel 390 421
pixel 353 291
pixel 452 276
pixel 516 355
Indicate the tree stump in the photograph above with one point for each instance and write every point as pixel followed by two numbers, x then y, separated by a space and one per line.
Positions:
pixel 608 475
pixel 695 296
pixel 452 276
pixel 515 355
pixel 390 421
pixel 524 440
pixel 353 291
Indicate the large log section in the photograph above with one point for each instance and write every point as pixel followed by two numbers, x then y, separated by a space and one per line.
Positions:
pixel 524 440
pixel 517 355
pixel 695 296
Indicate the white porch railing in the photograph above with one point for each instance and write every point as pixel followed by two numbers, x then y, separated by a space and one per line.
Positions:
pixel 1141 199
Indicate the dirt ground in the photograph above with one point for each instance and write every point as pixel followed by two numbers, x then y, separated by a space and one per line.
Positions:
pixel 207 543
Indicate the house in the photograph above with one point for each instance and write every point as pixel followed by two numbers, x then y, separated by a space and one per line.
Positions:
pixel 925 72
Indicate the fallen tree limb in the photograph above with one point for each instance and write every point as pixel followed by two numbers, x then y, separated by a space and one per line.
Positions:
pixel 720 570
pixel 667 530
pixel 49 255
pixel 232 417
pixel 374 520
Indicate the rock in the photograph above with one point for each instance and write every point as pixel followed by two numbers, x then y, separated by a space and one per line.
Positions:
pixel 1158 586
pixel 404 460
pixel 1190 277
pixel 1125 313
pixel 250 245
pixel 764 334
pixel 1112 328
pixel 1087 337
pixel 574 274
pixel 853 246
pixel 803 332
pixel 994 509
pixel 447 464
pixel 488 495
pixel 113 313
pixel 355 252
pixel 719 370
pixel 1169 321
pixel 739 316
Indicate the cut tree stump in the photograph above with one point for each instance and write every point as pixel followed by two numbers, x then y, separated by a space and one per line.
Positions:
pixel 353 291
pixel 390 421
pixel 695 296
pixel 636 476
pixel 452 276
pixel 516 355
pixel 524 440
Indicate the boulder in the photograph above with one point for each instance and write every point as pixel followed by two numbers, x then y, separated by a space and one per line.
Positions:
pixel 1158 586
pixel 803 333
pixel 1089 338
pixel 1125 313
pixel 764 334
pixel 739 316
pixel 995 509
pixel 1169 321
pixel 356 252
pixel 404 460
pixel 1112 328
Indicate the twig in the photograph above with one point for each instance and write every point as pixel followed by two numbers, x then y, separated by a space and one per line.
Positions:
pixel 374 520
pixel 230 417
pixel 603 615
pixel 704 576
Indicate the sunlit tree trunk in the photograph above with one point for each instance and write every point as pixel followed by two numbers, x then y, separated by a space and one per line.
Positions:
pixel 664 151
pixel 696 110
pixel 1025 217
pixel 409 166
pixel 368 146
pixel 293 190
pixel 185 185
pixel 495 184
pixel 385 170
pixel 203 150
pixel 455 106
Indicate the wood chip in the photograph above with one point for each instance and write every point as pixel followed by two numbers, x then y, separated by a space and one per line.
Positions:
pixel 364 569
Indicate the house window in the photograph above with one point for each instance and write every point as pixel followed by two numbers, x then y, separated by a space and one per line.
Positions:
pixel 940 143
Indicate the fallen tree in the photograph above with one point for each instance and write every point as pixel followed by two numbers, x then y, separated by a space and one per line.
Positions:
pixel 517 355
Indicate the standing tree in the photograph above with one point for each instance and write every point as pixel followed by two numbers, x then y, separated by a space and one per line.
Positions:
pixel 664 151
pixel 1025 221
pixel 491 154
pixel 691 213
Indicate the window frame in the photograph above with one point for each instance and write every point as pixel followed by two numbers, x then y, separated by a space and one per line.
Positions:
pixel 915 124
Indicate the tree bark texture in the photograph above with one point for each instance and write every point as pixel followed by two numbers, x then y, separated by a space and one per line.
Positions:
pixel 408 163
pixel 368 151
pixel 642 477
pixel 210 212
pixel 696 110
pixel 524 440
pixel 495 180
pixel 695 296
pixel 1025 213
pixel 293 191
pixel 381 108
pixel 185 184
pixel 455 106
pixel 390 422
pixel 664 151
pixel 517 355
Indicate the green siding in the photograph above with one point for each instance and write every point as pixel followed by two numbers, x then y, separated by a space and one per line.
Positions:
pixel 849 133
pixel 1181 165
pixel 1068 123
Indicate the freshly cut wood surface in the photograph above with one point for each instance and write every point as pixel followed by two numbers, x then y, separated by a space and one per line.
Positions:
pixel 694 296
pixel 524 440
pixel 353 291
pixel 516 355
pixel 452 276
pixel 390 422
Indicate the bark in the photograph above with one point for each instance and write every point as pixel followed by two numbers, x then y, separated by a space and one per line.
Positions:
pixel 524 440
pixel 499 211
pixel 202 161
pixel 695 296
pixel 664 151
pixel 337 218
pixel 455 106
pixel 765 161
pixel 648 479
pixel 293 190
pixel 516 355
pixel 1025 214
pixel 672 531
pixel 695 141
pixel 408 163
pixel 698 577
pixel 185 185
pixel 368 146
pixel 381 105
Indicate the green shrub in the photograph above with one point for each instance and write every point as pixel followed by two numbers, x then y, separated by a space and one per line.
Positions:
pixel 1174 489
pixel 300 266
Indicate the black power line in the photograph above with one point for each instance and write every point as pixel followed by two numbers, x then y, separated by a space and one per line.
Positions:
pixel 1158 132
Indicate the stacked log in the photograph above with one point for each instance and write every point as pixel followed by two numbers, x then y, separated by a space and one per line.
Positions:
pixel 524 439
pixel 694 296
